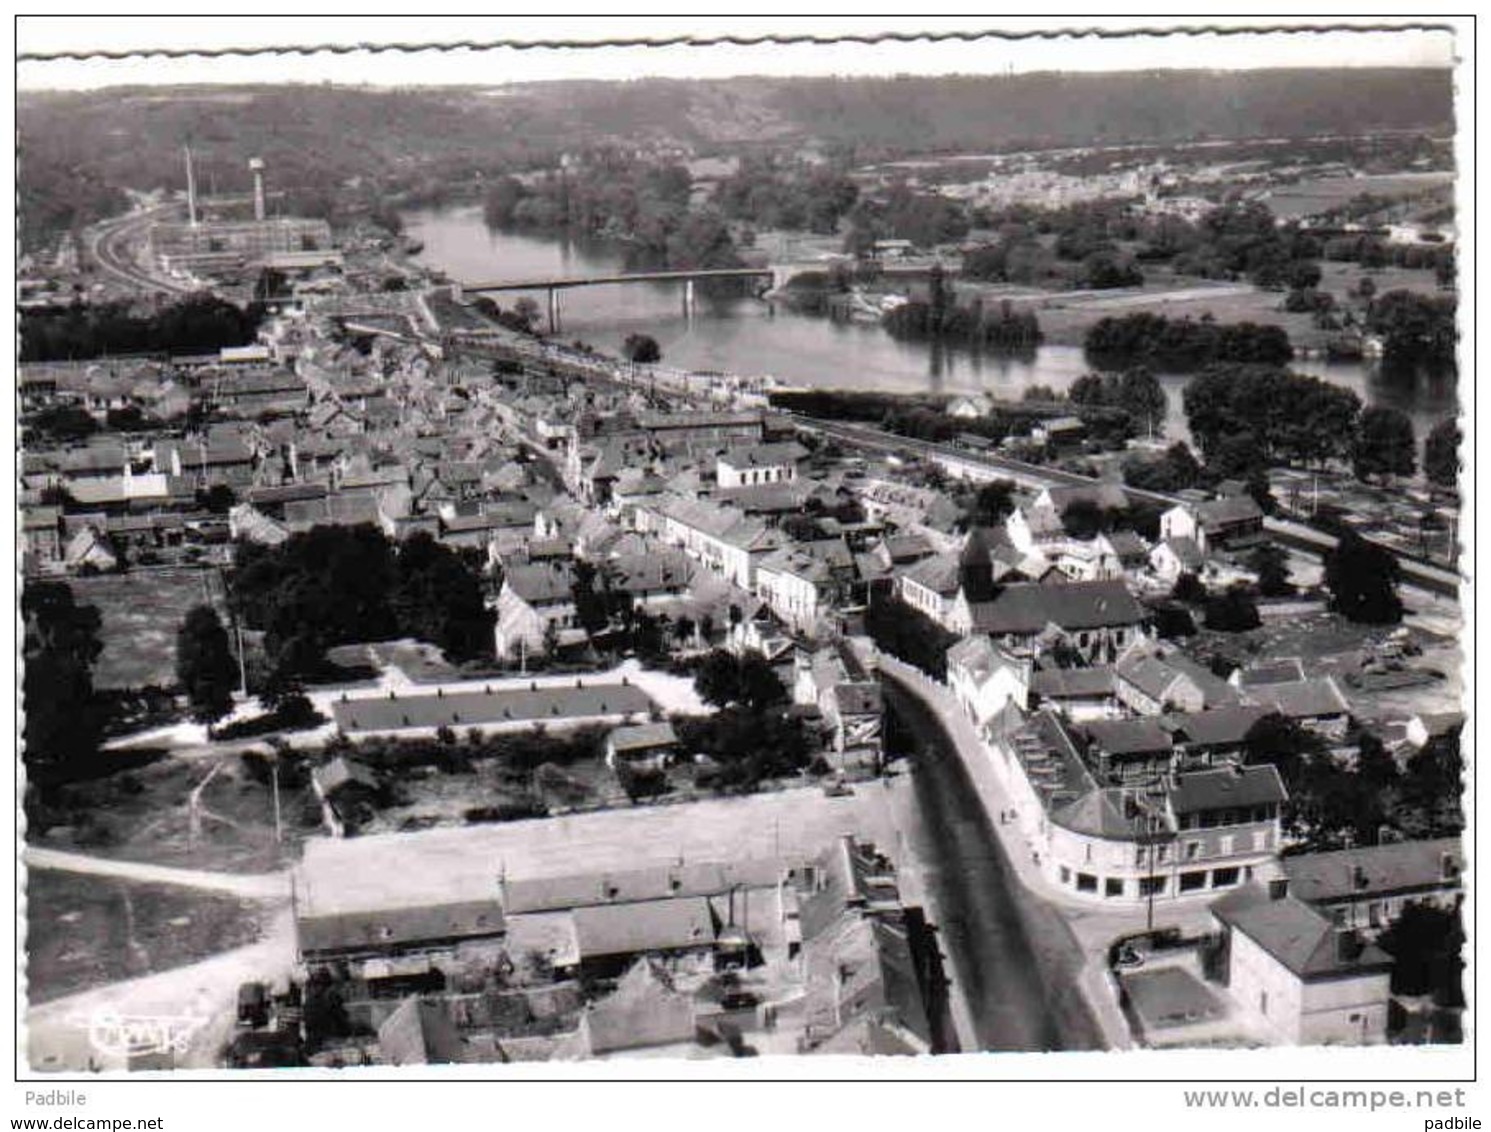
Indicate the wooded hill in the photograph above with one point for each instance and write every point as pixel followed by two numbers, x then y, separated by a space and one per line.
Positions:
pixel 78 149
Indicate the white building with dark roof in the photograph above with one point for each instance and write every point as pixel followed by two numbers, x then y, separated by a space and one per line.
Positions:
pixel 1308 981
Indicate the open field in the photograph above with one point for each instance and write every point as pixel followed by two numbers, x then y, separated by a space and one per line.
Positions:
pixel 462 864
pixel 84 931
pixel 1312 195
pixel 1066 315
pixel 141 612
pixel 146 815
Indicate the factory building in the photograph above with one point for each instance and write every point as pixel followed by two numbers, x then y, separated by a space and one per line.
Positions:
pixel 218 249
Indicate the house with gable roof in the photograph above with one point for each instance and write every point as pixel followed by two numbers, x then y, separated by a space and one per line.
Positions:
pixel 1309 981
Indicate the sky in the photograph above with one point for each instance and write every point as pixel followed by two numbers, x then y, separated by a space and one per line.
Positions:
pixel 75 33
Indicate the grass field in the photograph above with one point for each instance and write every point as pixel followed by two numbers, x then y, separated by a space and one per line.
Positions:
pixel 141 612
pixel 84 931
pixel 145 815
pixel 1066 315
pixel 1319 194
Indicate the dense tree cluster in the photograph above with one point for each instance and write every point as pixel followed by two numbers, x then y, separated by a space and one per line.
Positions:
pixel 1135 391
pixel 1176 470
pixel 1415 329
pixel 1262 415
pixel 616 196
pixel 1183 344
pixel 725 679
pixel 1335 803
pixel 775 192
pixel 926 219
pixel 339 585
pixel 752 736
pixel 1232 611
pixel 197 324
pixel 1000 326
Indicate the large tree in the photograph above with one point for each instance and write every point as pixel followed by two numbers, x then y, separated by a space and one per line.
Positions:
pixel 1363 581
pixel 748 681
pixel 205 666
pixel 1384 444
pixel 61 643
pixel 1271 565
pixel 437 598
pixel 642 349
pixel 1442 454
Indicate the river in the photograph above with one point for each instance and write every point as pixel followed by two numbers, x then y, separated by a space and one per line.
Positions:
pixel 750 337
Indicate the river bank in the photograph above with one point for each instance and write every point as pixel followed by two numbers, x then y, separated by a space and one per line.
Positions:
pixel 743 335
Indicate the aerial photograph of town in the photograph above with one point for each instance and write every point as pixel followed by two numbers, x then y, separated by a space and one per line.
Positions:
pixel 682 569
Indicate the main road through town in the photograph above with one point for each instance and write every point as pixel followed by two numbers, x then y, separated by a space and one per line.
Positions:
pixel 1015 958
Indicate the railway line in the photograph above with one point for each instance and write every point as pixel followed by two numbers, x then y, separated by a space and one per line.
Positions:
pixel 108 247
pixel 1296 536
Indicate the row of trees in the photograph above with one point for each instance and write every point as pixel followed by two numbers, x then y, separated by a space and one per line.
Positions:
pixel 1136 392
pixel 1183 344
pixel 197 324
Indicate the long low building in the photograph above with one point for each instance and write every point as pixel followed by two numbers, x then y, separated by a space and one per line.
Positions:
pixel 509 708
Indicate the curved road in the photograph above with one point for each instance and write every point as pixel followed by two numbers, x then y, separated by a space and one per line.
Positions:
pixel 1017 962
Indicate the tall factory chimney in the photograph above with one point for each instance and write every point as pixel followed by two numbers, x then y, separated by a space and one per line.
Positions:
pixel 191 188
pixel 257 165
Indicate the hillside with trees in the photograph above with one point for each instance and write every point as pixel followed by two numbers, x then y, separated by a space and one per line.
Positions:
pixel 331 148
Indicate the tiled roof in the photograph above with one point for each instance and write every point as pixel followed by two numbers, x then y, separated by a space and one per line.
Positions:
pixel 1099 813
pixel 1026 608
pixel 1233 509
pixel 940 573
pixel 765 455
pixel 643 737
pixel 1300 938
pixel 1128 736
pixel 858 698
pixel 1375 870
pixel 1215 727
pixel 633 885
pixel 476 709
pixel 391 928
pixel 541 583
pixel 643 1011
pixel 1305 699
pixel 675 924
pixel 1066 683
pixel 1227 787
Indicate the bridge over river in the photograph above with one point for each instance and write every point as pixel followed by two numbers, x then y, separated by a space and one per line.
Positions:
pixel 779 275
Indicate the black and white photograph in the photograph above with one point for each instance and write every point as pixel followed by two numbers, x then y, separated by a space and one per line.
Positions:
pixel 765 552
